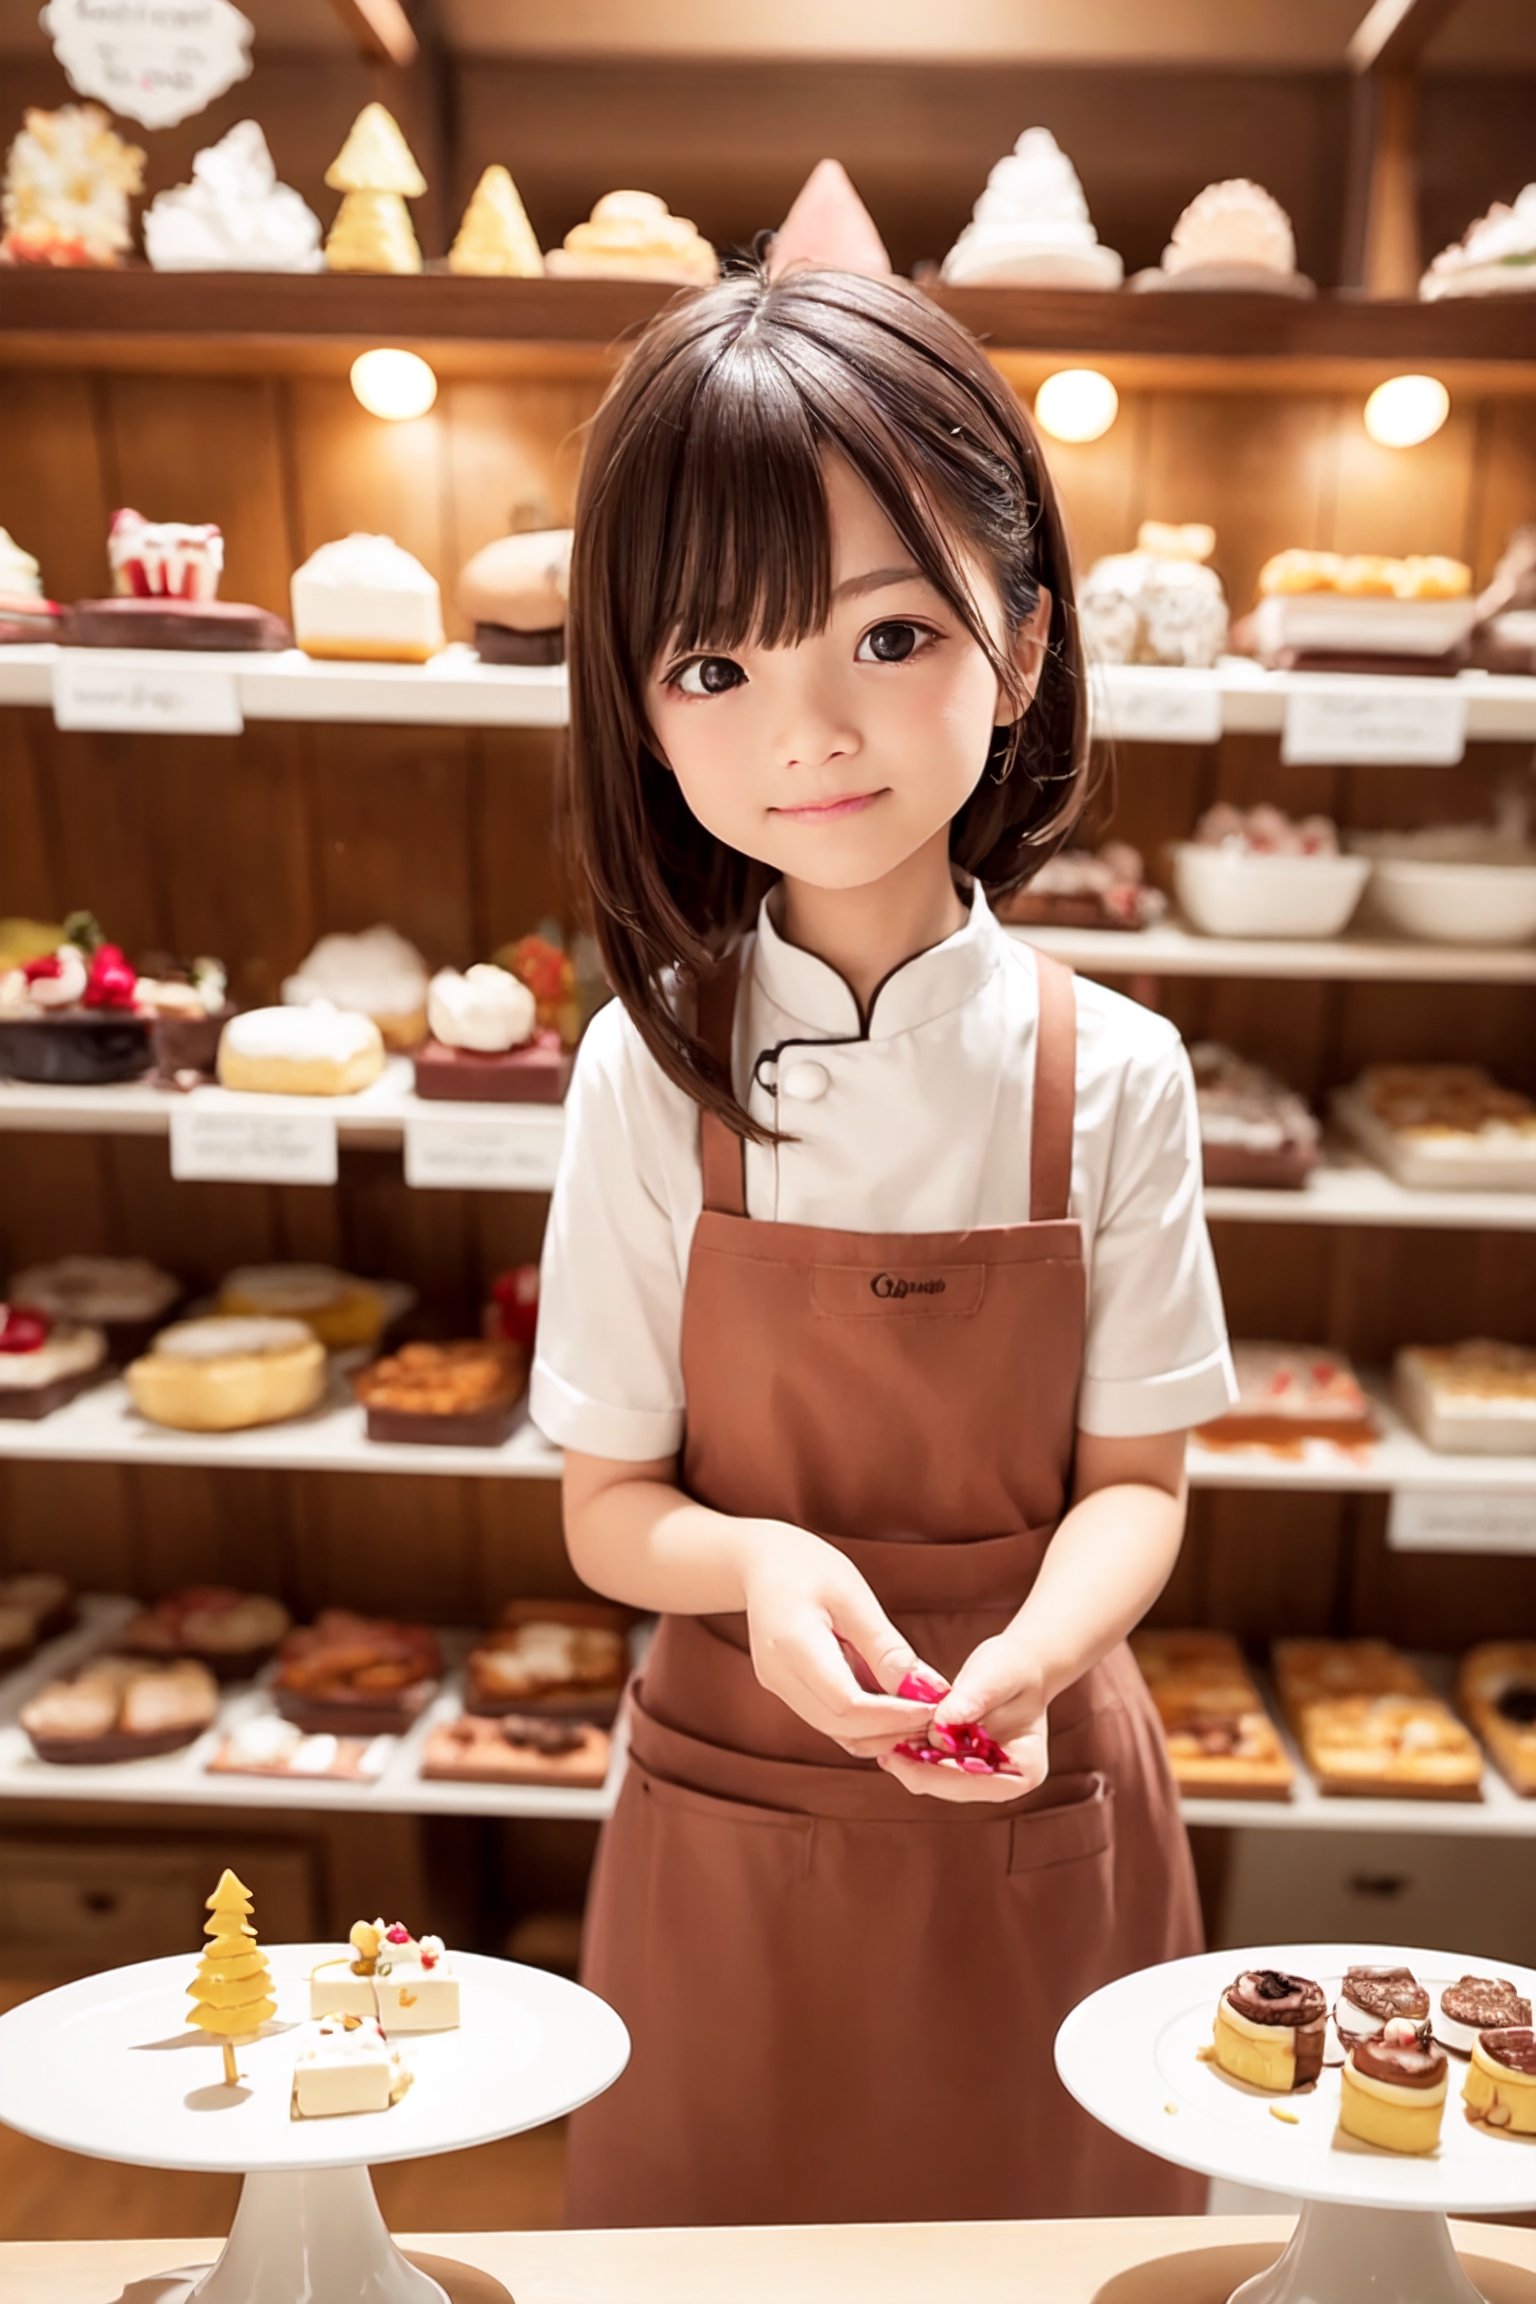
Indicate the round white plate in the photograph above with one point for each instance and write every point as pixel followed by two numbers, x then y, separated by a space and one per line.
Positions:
pixel 1129 2054
pixel 109 2067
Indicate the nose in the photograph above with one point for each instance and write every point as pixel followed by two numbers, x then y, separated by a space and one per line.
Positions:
pixel 812 731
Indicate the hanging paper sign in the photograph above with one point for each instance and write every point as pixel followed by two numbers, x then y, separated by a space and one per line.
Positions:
pixel 479 1151
pixel 214 1139
pixel 143 692
pixel 1463 1520
pixel 1385 722
pixel 154 61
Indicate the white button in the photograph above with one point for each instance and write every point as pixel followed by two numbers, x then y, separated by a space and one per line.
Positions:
pixel 806 1081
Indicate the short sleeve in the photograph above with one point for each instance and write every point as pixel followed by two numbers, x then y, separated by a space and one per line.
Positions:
pixel 607 1378
pixel 1156 1358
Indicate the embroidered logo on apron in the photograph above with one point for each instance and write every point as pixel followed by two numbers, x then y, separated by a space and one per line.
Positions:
pixel 853 1292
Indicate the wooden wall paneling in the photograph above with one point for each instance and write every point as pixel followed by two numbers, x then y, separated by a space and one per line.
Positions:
pixel 519 1547
pixel 1437 1023
pixel 30 877
pixel 1220 457
pixel 54 1197
pixel 1102 483
pixel 231 827
pixel 514 453
pixel 424 1238
pixel 79 1519
pixel 393 837
pixel 198 1231
pixel 109 861
pixel 1506 479
pixel 58 497
pixel 197 1526
pixel 519 874
pixel 1436 1600
pixel 1274 1563
pixel 1274 1279
pixel 1401 500
pixel 350 470
pixel 208 448
pixel 385 1545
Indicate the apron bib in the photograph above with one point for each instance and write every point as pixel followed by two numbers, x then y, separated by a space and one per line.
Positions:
pixel 843 1997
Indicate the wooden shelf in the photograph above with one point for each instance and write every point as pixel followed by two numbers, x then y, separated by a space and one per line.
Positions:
pixel 190 320
pixel 182 1779
pixel 1172 949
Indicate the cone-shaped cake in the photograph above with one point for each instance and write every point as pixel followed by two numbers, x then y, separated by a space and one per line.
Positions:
pixel 495 239
pixel 377 173
pixel 829 225
pixel 232 1990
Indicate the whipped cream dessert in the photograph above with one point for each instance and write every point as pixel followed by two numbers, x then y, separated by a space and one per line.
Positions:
pixel 346 2065
pixel 1031 226
pixel 1495 257
pixel 315 1034
pixel 377 972
pixel 234 216
pixel 632 236
pixel 366 597
pixel 164 559
pixel 67 181
pixel 487 1009
pixel 1232 235
pixel 21 578
pixel 225 1337
pixel 37 1350
pixel 104 1288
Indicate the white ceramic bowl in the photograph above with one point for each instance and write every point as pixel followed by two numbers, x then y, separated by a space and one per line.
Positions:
pixel 1223 892
pixel 1456 903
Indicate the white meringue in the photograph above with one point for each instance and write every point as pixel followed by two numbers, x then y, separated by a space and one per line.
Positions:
pixel 234 216
pixel 487 1009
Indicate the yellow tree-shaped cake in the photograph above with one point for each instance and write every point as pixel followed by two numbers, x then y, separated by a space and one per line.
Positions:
pixel 495 238
pixel 377 174
pixel 232 1990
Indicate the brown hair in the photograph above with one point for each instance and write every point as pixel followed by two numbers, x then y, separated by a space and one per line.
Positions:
pixel 701 517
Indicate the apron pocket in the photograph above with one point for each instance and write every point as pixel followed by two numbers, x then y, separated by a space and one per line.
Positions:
pixel 683 1804
pixel 1077 1824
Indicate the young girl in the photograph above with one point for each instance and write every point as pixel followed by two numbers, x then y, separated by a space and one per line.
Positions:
pixel 877 1297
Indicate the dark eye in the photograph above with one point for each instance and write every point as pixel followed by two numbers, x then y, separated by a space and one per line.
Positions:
pixel 891 643
pixel 707 676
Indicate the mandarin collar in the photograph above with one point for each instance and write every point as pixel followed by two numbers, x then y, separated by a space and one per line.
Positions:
pixel 921 989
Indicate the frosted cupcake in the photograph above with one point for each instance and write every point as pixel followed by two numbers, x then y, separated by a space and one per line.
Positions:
pixel 1495 257
pixel 1232 235
pixel 1031 227
pixel 631 236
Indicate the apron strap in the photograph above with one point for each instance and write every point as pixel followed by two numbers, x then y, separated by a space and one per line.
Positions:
pixel 723 1153
pixel 1055 1093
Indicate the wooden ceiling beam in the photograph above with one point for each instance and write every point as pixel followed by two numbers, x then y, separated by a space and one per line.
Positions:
pixel 381 29
pixel 1395 34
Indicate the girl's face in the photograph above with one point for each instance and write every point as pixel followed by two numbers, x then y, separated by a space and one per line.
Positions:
pixel 837 760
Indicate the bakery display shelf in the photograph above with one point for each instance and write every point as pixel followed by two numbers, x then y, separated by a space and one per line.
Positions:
pixel 1346 1188
pixel 1129 703
pixel 453 690
pixel 1397 1462
pixel 183 1780
pixel 1173 949
pixel 103 1427
pixel 377 1118
pixel 196 320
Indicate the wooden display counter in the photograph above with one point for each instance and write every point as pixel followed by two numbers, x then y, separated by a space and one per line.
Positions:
pixel 1146 2260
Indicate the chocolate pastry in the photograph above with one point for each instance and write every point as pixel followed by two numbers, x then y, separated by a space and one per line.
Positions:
pixel 174 624
pixel 549 1738
pixel 517 1750
pixel 1420 2066
pixel 74 1051
pixel 1478 2004
pixel 1387 1992
pixel 350 1675
pixel 499 644
pixel 1512 2045
pixel 540 1073
pixel 1269 1996
pixel 463 1395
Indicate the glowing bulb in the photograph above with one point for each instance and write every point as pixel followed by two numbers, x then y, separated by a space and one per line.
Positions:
pixel 1406 410
pixel 394 385
pixel 1076 404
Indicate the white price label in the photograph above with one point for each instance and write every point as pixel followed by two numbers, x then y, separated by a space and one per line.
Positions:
pixel 126 693
pixel 1385 722
pixel 482 1152
pixel 154 61
pixel 1463 1520
pixel 237 1146
pixel 1152 707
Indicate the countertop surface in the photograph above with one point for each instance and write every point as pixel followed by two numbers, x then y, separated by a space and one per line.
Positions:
pixel 1173 2260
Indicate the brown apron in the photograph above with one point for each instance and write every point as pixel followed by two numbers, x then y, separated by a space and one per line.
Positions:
pixel 842 1996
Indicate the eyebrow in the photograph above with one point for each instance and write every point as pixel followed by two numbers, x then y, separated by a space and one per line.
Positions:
pixel 876 580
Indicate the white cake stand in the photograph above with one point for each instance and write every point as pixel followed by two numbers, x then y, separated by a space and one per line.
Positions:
pixel 110 2067
pixel 1372 2229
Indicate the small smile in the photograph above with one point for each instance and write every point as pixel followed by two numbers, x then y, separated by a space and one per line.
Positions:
pixel 823 811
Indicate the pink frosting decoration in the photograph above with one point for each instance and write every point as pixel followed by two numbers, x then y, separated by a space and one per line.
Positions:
pixel 829 225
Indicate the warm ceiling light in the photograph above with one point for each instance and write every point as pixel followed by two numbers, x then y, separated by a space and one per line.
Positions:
pixel 1076 404
pixel 394 385
pixel 1406 410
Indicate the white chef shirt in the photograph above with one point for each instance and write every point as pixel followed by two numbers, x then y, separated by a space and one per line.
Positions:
pixel 921 1123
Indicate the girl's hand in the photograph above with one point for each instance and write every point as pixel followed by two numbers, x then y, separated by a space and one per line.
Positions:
pixel 804 1599
pixel 1001 1686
